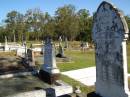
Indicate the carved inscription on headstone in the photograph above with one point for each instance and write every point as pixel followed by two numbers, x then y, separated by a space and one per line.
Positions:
pixel 109 35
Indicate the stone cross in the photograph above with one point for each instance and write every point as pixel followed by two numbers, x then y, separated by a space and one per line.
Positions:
pixel 110 33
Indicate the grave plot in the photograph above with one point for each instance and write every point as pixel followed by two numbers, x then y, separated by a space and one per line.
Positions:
pixel 20 84
pixel 11 64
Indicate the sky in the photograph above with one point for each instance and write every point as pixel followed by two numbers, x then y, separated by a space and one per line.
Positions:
pixel 50 6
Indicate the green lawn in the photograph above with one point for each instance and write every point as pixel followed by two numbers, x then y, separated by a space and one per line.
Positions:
pixel 79 60
pixel 128 56
pixel 84 59
pixel 74 83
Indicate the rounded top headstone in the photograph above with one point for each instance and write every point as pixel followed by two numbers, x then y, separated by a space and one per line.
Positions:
pixel 109 23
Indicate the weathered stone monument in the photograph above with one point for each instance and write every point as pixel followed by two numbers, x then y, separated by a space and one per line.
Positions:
pixel 6 48
pixel 66 43
pixel 110 33
pixel 30 58
pixel 60 49
pixel 49 72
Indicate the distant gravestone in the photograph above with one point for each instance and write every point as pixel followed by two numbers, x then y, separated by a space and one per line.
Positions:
pixel 66 43
pixel 49 71
pixel 14 38
pixel 110 33
pixel 30 57
pixel 60 49
pixel 6 47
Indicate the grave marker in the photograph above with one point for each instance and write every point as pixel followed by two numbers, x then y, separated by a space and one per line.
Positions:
pixel 110 33
pixel 49 72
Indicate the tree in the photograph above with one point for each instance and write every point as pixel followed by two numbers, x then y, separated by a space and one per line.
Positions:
pixel 14 25
pixel 2 33
pixel 34 19
pixel 66 21
pixel 85 25
pixel 49 25
pixel 128 22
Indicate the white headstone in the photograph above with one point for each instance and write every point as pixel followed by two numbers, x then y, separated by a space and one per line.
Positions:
pixel 6 47
pixel 110 33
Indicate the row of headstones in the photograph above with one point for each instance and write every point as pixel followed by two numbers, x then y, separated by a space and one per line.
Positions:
pixel 110 33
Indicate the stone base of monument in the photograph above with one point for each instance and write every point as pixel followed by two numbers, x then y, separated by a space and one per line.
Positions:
pixel 114 90
pixel 60 56
pixel 60 88
pixel 47 77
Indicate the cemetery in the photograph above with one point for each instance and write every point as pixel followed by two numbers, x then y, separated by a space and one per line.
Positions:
pixel 58 64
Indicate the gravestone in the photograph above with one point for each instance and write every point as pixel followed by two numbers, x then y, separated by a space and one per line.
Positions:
pixel 66 43
pixel 6 47
pixel 14 38
pixel 110 33
pixel 49 71
pixel 30 58
pixel 60 49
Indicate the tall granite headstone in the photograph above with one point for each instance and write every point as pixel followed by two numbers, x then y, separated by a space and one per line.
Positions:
pixel 110 33
pixel 49 72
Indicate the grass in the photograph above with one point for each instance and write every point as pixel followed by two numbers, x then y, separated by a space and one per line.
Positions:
pixel 4 54
pixel 20 84
pixel 74 83
pixel 128 56
pixel 79 60
pixel 83 60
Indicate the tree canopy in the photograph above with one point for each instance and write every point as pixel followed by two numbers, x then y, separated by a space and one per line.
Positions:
pixel 36 24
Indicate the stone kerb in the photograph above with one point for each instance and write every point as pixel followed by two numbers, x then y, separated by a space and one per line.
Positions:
pixel 36 93
pixel 110 33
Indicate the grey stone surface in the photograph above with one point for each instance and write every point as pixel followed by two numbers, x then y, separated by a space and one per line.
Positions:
pixel 6 48
pixel 49 58
pixel 36 93
pixel 60 49
pixel 110 33
pixel 59 89
pixel 30 57
pixel 15 74
pixel 66 43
